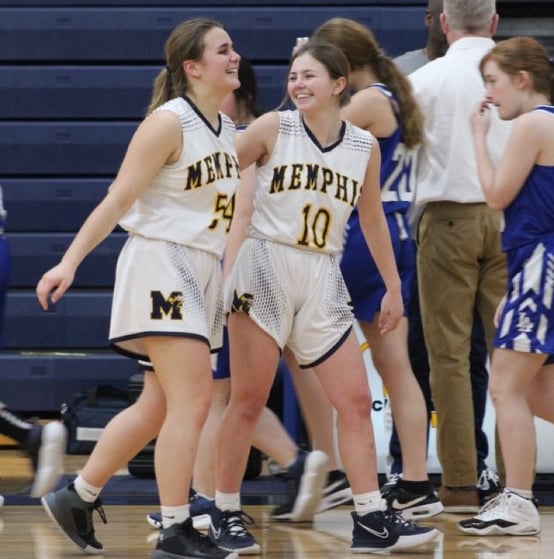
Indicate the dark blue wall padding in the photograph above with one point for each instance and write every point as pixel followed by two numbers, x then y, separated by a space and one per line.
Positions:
pixel 62 149
pixel 80 320
pixel 38 381
pixel 241 3
pixel 131 34
pixel 75 92
pixel 50 205
pixel 99 92
pixel 32 255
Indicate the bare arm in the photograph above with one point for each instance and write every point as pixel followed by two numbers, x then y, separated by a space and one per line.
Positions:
pixel 376 232
pixel 253 146
pixel 371 110
pixel 156 141
pixel 244 206
pixel 501 184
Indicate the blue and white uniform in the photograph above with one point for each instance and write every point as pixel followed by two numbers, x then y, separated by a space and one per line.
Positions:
pixel 360 273
pixel 527 320
pixel 286 276
pixel 168 278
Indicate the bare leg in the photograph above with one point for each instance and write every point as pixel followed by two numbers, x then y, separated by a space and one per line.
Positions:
pixel 344 380
pixel 317 411
pixel 541 394
pixel 184 370
pixel 512 376
pixel 126 434
pixel 269 436
pixel 204 465
pixel 254 359
pixel 273 439
pixel 390 357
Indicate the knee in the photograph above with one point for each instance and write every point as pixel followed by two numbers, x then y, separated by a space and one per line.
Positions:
pixel 247 405
pixel 501 394
pixel 354 408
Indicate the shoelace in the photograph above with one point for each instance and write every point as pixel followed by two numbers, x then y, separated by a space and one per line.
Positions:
pixel 396 518
pixel 97 506
pixel 235 521
pixel 497 505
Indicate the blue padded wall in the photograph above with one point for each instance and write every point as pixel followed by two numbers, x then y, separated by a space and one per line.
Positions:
pixel 119 33
pixel 32 255
pixel 75 80
pixel 98 92
pixel 52 379
pixel 50 205
pixel 79 320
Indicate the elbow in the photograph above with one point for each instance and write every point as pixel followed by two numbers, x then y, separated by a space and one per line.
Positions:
pixel 495 203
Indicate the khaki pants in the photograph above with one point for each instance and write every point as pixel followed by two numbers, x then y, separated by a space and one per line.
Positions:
pixel 461 267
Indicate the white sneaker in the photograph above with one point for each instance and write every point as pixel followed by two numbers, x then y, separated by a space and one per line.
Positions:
pixel 507 514
pixel 309 474
pixel 47 452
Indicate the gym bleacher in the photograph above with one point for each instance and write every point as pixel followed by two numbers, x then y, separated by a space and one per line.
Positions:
pixel 75 80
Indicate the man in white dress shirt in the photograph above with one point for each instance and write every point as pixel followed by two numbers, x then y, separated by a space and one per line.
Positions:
pixel 460 263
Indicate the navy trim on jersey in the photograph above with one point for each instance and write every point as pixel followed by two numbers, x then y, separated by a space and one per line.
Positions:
pixel 204 119
pixel 314 139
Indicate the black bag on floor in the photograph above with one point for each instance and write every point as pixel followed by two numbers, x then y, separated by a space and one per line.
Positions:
pixel 86 416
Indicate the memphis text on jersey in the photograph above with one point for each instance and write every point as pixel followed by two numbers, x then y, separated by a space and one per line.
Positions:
pixel 306 176
pixel 217 166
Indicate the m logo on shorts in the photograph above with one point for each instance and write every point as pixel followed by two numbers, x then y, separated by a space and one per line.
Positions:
pixel 172 306
pixel 242 303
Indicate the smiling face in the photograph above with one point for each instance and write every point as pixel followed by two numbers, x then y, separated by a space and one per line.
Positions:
pixel 219 64
pixel 310 86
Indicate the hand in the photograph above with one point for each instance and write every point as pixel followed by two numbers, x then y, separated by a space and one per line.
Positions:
pixel 299 42
pixel 392 310
pixel 481 117
pixel 59 278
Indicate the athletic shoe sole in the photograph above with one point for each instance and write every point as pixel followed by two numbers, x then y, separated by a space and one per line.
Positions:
pixel 495 530
pixel 403 542
pixel 77 541
pixel 160 554
pixel 310 490
pixel 50 458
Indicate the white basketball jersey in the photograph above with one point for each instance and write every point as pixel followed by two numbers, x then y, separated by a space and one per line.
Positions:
pixel 305 193
pixel 190 202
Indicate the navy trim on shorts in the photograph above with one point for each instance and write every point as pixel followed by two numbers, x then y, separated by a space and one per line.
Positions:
pixel 141 357
pixel 330 352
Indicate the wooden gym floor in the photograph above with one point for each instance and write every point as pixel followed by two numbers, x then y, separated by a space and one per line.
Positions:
pixel 27 533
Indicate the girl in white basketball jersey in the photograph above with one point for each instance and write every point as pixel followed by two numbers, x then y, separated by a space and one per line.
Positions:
pixel 285 288
pixel 173 195
pixel 382 103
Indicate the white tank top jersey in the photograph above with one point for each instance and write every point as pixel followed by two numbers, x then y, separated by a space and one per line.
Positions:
pixel 190 202
pixel 305 193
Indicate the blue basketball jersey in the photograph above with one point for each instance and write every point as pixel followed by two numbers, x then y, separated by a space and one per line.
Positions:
pixel 397 188
pixel 397 164
pixel 530 216
pixel 527 320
